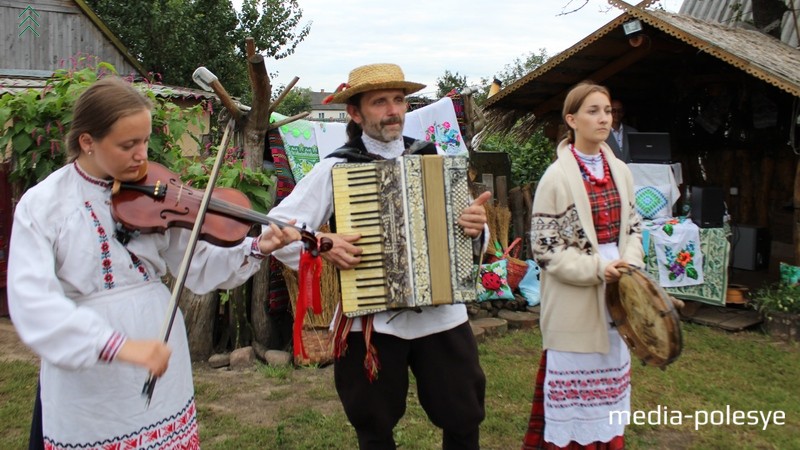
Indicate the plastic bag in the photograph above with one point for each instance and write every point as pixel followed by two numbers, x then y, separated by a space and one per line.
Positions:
pixel 529 285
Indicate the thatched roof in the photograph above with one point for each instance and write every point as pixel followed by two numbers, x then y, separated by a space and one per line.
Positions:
pixel 678 50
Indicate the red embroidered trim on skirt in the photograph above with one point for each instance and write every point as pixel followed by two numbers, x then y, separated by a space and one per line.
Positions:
pixel 534 436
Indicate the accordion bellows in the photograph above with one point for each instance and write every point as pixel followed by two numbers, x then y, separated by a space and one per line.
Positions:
pixel 414 252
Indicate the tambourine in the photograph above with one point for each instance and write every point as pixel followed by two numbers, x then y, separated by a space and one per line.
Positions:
pixel 645 316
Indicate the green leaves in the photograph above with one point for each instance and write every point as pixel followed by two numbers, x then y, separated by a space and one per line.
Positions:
pixel 778 297
pixel 529 159
pixel 232 174
pixel 39 128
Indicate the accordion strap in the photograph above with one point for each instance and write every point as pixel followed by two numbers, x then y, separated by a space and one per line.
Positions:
pixel 341 330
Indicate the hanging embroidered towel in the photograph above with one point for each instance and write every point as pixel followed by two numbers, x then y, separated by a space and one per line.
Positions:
pixel 300 144
pixel 678 254
pixel 437 123
pixel 329 136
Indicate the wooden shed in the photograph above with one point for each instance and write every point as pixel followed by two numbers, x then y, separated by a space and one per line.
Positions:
pixel 727 95
pixel 62 30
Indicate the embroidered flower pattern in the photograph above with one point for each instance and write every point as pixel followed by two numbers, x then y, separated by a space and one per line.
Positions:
pixel 681 264
pixel 586 390
pixel 137 263
pixel 446 137
pixel 105 254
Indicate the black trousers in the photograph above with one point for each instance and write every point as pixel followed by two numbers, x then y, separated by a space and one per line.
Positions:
pixel 450 386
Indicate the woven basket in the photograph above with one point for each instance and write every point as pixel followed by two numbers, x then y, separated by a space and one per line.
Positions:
pixel 516 267
pixel 331 293
pixel 317 343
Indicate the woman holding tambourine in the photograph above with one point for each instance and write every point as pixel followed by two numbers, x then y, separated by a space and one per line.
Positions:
pixel 585 226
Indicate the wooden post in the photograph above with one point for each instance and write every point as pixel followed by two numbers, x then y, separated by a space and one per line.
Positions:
pixel 728 171
pixel 746 191
pixel 527 199
pixel 199 315
pixel 255 131
pixel 763 197
pixel 518 213
pixel 502 191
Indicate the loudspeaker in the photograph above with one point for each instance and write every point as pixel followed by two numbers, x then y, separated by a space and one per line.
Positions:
pixel 751 247
pixel 708 206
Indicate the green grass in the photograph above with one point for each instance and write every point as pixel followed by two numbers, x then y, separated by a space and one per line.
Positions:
pixel 746 371
pixel 18 382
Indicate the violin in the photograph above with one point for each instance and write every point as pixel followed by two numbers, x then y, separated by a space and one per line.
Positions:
pixel 158 200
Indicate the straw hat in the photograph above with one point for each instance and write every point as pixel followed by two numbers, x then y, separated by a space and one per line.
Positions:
pixel 372 77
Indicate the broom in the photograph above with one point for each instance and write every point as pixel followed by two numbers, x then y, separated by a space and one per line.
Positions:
pixel 502 225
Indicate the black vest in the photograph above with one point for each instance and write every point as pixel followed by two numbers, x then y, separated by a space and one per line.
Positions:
pixel 355 151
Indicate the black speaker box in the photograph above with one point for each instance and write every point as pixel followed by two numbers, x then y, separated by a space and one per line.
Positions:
pixel 751 247
pixel 708 206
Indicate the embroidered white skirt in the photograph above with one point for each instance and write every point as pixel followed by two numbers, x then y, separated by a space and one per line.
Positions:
pixel 102 407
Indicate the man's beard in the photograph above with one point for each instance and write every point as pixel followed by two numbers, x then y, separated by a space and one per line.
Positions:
pixel 381 133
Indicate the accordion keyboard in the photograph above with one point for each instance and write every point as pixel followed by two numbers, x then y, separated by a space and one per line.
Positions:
pixel 358 213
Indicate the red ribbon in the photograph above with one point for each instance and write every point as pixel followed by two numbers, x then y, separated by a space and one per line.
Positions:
pixel 339 88
pixel 308 297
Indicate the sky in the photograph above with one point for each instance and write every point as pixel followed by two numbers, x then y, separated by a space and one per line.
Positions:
pixel 426 37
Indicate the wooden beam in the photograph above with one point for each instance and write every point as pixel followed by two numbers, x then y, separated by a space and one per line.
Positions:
pixel 283 122
pixel 626 60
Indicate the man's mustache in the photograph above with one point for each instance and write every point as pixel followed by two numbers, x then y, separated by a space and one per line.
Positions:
pixel 392 121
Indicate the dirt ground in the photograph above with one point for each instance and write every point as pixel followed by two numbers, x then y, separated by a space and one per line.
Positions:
pixel 252 397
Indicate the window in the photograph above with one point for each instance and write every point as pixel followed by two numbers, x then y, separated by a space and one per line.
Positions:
pixel 341 115
pixel 321 115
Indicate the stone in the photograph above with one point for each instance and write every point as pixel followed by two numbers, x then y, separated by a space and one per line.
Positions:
pixel 278 358
pixel 242 358
pixel 219 360
pixel 482 314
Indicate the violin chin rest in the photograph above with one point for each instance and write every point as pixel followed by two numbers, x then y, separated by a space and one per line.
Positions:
pixel 142 171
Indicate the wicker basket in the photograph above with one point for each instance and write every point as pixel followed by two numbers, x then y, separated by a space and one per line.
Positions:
pixel 317 343
pixel 331 293
pixel 516 267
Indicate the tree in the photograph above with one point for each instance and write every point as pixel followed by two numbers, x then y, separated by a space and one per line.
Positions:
pixel 207 33
pixel 298 100
pixel 448 82
pixel 528 158
pixel 521 66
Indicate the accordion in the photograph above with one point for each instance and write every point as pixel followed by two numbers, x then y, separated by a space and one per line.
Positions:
pixel 414 252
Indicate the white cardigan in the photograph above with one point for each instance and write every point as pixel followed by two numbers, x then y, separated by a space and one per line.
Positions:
pixel 564 244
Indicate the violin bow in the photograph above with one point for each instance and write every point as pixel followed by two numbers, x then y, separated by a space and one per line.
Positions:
pixel 180 280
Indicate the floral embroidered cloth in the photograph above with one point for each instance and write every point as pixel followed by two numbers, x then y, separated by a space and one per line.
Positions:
pixel 716 254
pixel 306 142
pixel 437 123
pixel 678 254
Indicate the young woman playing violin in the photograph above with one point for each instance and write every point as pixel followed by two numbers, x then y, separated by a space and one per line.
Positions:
pixel 93 308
